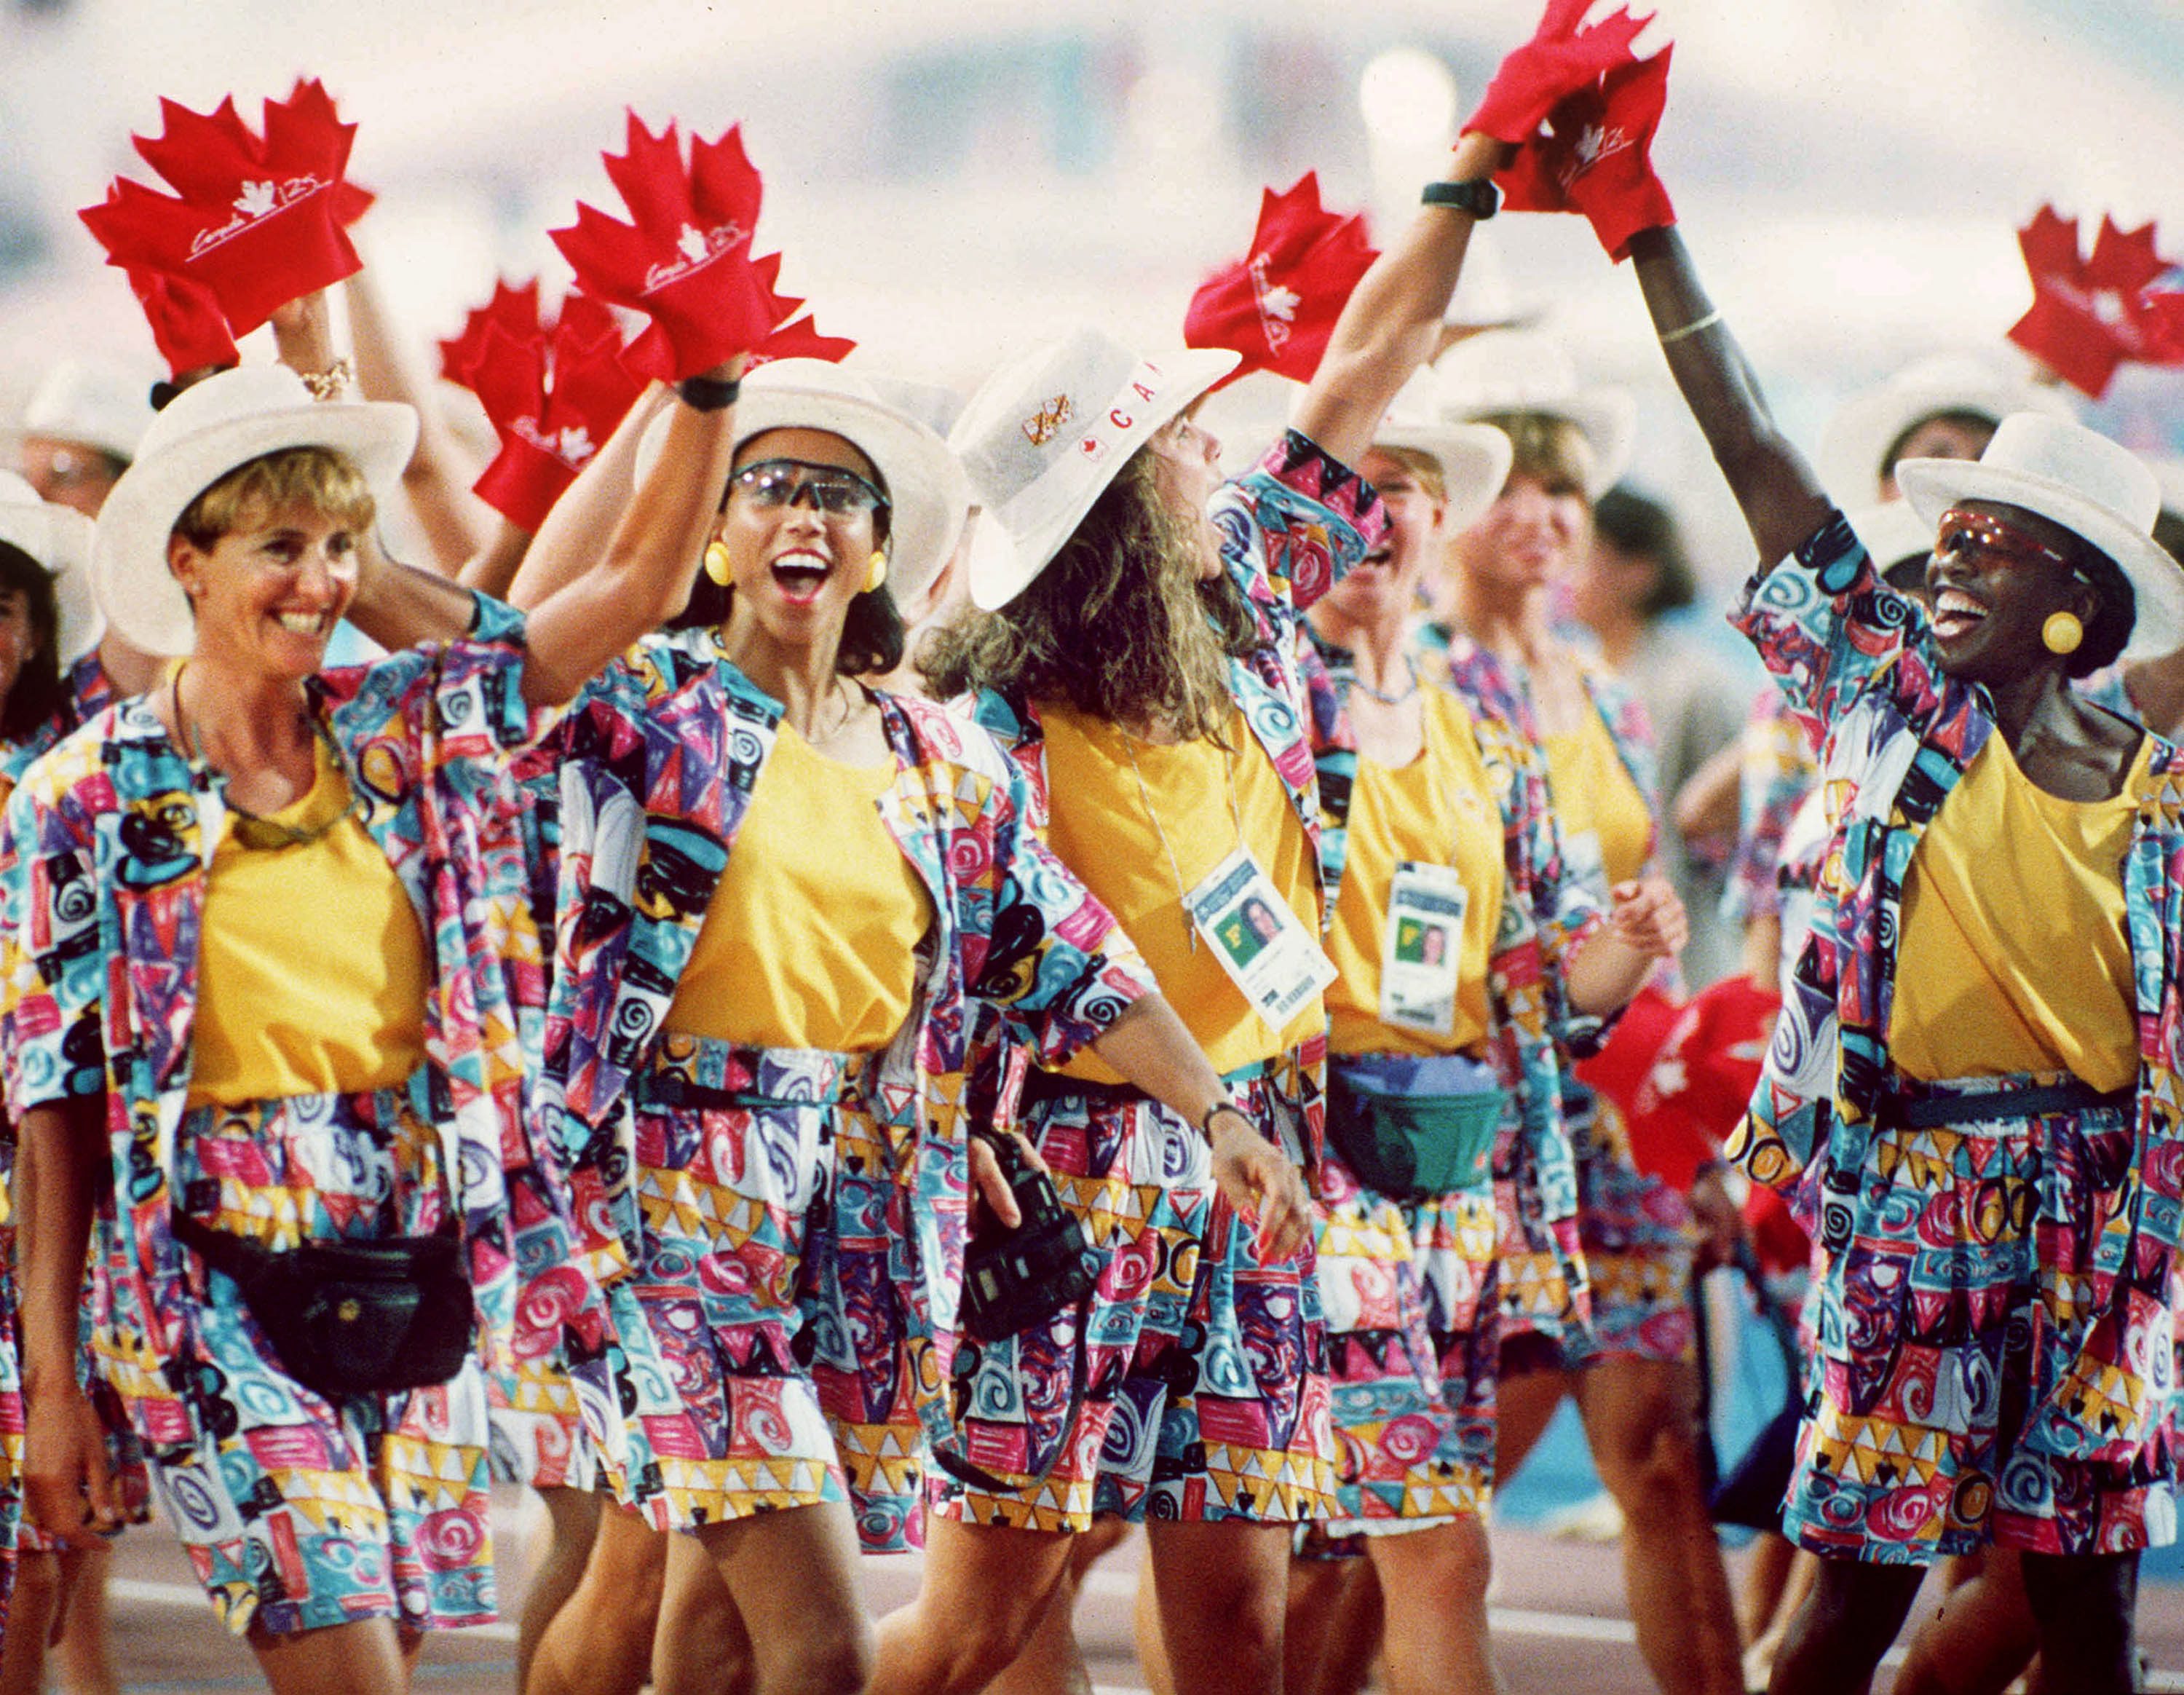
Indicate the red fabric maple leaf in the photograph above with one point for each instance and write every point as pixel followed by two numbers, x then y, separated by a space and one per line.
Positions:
pixel 515 309
pixel 553 400
pixel 1558 60
pixel 1597 157
pixel 2091 313
pixel 187 322
pixel 685 261
pixel 1277 305
pixel 797 339
pixel 257 221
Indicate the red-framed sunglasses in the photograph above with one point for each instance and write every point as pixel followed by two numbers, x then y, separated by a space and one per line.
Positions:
pixel 1973 536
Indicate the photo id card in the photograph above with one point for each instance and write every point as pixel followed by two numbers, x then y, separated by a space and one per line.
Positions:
pixel 1422 948
pixel 1267 954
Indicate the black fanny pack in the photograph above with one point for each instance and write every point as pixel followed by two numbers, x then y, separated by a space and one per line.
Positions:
pixel 352 1318
pixel 1413 1128
pixel 1014 1279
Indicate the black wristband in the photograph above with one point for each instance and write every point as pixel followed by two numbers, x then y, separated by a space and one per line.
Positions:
pixel 709 393
pixel 1479 197
pixel 1226 1104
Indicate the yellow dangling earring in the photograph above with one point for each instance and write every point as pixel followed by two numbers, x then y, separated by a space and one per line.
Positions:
pixel 716 562
pixel 877 574
pixel 2062 632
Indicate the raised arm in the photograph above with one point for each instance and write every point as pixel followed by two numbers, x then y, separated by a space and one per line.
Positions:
pixel 1392 324
pixel 576 531
pixel 1781 498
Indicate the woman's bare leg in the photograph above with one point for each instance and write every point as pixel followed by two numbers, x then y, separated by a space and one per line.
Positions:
pixel 1222 1589
pixel 599 1641
pixel 367 1658
pixel 83 1653
pixel 1980 1641
pixel 701 1646
pixel 793 1577
pixel 1434 1582
pixel 1847 1622
pixel 985 1590
pixel 31 1615
pixel 1523 1407
pixel 1051 1663
pixel 573 1523
pixel 1641 1420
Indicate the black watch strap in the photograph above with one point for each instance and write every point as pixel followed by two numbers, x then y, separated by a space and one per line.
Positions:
pixel 1479 197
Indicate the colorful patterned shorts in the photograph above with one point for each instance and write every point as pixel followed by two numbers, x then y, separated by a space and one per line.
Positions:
pixel 742 1329
pixel 1639 1243
pixel 1201 1390
pixel 538 1428
pixel 300 1514
pixel 1995 1365
pixel 1408 1290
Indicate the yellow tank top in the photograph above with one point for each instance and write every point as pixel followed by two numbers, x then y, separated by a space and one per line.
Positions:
pixel 1137 849
pixel 1606 826
pixel 1438 810
pixel 311 963
pixel 2033 975
pixel 810 939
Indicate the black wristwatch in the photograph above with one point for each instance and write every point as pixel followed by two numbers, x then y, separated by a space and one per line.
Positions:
pixel 1479 197
pixel 1226 1104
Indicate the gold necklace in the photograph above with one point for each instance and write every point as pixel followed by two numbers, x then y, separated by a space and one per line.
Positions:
pixel 251 830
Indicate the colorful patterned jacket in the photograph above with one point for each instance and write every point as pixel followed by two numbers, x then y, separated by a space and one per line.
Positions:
pixel 660 756
pixel 1776 771
pixel 1524 979
pixel 1289 526
pixel 1858 664
pixel 103 868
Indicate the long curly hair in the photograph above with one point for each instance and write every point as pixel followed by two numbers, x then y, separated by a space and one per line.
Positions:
pixel 1117 626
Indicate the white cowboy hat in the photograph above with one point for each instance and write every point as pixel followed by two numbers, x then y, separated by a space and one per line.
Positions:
pixel 96 405
pixel 928 498
pixel 1474 459
pixel 2100 492
pixel 1049 431
pixel 1892 531
pixel 1522 371
pixel 59 538
pixel 1864 428
pixel 207 430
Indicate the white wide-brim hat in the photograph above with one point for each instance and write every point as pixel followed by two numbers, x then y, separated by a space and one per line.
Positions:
pixel 1865 428
pixel 2100 492
pixel 59 540
pixel 1048 432
pixel 207 430
pixel 1892 531
pixel 98 406
pixel 1474 459
pixel 927 498
pixel 1500 371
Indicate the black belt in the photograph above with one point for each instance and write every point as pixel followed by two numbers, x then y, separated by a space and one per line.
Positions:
pixel 1932 1112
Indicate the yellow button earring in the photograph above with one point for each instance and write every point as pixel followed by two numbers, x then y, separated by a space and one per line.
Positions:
pixel 2062 632
pixel 716 562
pixel 877 574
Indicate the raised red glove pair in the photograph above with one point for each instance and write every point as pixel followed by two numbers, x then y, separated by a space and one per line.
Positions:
pixel 254 221
pixel 1277 305
pixel 1583 111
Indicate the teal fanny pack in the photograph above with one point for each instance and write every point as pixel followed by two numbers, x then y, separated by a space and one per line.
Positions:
pixel 1414 1127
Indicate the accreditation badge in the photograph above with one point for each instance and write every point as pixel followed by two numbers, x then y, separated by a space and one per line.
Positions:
pixel 1267 954
pixel 1582 863
pixel 1422 948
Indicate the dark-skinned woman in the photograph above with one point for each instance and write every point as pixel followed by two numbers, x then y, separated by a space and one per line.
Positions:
pixel 1972 1088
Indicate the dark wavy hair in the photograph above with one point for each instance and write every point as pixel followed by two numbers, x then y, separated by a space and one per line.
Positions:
pixel 1642 527
pixel 1117 626
pixel 872 632
pixel 2109 630
pixel 37 693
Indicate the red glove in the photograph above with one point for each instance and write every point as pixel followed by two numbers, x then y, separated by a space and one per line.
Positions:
pixel 1558 60
pixel 685 261
pixel 186 321
pixel 800 339
pixel 2090 313
pixel 1598 158
pixel 516 310
pixel 552 402
pixel 256 223
pixel 1278 304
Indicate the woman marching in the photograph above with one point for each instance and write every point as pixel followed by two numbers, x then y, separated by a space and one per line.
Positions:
pixel 297 1205
pixel 1973 1084
pixel 1452 932
pixel 789 904
pixel 1141 652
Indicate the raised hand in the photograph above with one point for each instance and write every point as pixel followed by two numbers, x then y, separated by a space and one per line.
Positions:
pixel 1562 57
pixel 1596 157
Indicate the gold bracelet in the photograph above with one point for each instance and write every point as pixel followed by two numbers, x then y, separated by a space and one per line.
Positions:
pixel 1707 322
pixel 328 384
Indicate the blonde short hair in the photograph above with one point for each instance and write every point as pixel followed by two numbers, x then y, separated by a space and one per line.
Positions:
pixel 1424 469
pixel 1550 449
pixel 316 477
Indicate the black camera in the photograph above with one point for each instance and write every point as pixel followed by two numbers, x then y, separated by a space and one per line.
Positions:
pixel 1015 1278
